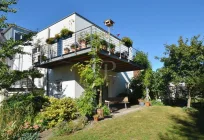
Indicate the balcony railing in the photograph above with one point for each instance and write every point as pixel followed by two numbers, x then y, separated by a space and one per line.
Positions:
pixel 76 43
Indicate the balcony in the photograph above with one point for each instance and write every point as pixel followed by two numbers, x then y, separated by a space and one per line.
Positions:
pixel 76 48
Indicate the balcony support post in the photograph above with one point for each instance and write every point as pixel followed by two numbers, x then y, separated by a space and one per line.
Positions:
pixel 120 48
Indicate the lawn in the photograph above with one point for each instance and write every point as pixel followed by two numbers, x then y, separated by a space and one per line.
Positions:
pixel 151 123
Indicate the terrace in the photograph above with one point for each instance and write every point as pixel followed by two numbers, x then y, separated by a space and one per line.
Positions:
pixel 76 48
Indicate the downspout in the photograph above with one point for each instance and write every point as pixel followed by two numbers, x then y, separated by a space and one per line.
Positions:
pixel 47 75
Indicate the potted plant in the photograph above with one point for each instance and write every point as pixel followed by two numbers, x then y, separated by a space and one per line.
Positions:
pixel 104 44
pixel 51 40
pixel 96 117
pixel 147 103
pixel 82 42
pixel 43 58
pixel 65 33
pixel 141 102
pixel 112 48
pixel 66 50
pixel 100 112
pixel 57 37
pixel 127 41
pixel 74 47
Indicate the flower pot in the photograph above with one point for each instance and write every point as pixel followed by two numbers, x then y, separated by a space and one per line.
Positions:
pixel 147 103
pixel 79 48
pixel 83 44
pixel 95 119
pixel 104 47
pixel 100 113
pixel 112 50
pixel 73 49
pixel 66 50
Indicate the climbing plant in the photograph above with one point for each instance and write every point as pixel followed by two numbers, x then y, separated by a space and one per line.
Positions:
pixel 90 77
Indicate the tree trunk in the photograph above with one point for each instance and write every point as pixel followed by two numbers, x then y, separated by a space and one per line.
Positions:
pixel 189 99
pixel 100 96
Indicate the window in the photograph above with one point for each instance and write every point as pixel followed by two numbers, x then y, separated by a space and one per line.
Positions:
pixel 18 36
pixel 59 86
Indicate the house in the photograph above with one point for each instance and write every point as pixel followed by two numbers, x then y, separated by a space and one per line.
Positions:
pixel 20 61
pixel 57 57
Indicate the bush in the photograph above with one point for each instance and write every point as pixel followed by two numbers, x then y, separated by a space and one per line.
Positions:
pixel 17 110
pixel 57 111
pixel 189 110
pixel 156 103
pixel 106 110
pixel 70 127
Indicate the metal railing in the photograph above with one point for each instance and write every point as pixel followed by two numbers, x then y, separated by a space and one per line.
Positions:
pixel 74 44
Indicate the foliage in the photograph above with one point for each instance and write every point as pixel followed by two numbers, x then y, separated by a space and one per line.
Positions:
pixel 103 42
pixel 30 136
pixel 127 41
pixel 65 33
pixel 74 46
pixel 90 77
pixel 18 109
pixel 112 46
pixel 183 63
pixel 5 6
pixel 70 127
pixel 189 109
pixel 51 40
pixel 10 48
pixel 106 110
pixel 156 103
pixel 57 36
pixel 141 59
pixel 56 111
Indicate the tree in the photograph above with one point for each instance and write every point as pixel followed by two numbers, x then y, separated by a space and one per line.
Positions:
pixel 184 63
pixel 10 48
pixel 146 75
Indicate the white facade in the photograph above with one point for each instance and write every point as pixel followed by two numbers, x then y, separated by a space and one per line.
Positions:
pixel 62 78
pixel 69 80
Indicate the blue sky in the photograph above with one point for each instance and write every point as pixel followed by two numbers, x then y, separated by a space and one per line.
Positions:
pixel 150 24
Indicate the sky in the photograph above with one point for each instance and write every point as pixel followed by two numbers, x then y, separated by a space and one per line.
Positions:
pixel 149 23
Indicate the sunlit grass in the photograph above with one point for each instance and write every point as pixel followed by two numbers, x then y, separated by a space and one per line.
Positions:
pixel 148 124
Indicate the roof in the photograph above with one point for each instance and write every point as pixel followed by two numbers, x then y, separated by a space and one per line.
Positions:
pixel 82 18
pixel 19 27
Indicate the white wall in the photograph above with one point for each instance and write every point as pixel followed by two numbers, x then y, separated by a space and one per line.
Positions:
pixel 66 76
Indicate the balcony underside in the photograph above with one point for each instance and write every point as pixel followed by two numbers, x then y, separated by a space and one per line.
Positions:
pixel 110 62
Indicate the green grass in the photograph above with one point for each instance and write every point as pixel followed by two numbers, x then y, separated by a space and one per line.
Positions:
pixel 153 123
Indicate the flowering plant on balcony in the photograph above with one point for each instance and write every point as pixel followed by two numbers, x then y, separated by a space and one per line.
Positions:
pixel 58 37
pixel 66 33
pixel 112 47
pixel 51 40
pixel 104 44
pixel 74 47
pixel 127 41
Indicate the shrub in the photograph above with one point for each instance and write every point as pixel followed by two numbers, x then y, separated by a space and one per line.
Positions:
pixel 70 127
pixel 18 109
pixel 86 103
pixel 106 110
pixel 58 110
pixel 190 109
pixel 156 103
